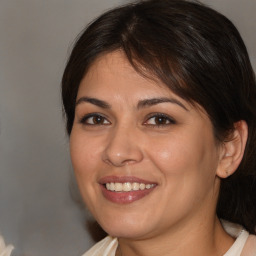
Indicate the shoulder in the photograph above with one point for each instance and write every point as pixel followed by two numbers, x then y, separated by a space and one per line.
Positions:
pixel 5 250
pixel 107 247
pixel 250 246
pixel 244 245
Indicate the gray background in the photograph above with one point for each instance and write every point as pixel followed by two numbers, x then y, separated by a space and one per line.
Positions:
pixel 37 213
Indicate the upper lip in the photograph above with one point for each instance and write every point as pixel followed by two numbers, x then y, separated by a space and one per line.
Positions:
pixel 123 179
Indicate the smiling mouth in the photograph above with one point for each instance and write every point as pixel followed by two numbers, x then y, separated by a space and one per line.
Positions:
pixel 125 189
pixel 127 186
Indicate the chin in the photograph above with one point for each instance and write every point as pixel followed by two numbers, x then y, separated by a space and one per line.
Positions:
pixel 126 232
pixel 130 228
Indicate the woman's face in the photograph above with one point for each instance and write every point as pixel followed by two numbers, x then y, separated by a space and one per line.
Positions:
pixel 145 160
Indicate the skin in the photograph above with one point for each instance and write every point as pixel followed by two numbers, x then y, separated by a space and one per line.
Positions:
pixel 180 155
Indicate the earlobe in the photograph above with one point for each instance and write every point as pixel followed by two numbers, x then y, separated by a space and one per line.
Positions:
pixel 232 150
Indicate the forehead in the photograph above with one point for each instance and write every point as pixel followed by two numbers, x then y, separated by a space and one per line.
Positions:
pixel 116 64
pixel 113 73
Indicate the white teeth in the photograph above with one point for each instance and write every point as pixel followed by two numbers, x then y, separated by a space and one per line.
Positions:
pixel 118 187
pixel 142 186
pixel 135 186
pixel 112 186
pixel 127 186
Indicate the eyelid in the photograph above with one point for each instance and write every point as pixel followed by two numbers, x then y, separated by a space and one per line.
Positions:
pixel 87 116
pixel 157 114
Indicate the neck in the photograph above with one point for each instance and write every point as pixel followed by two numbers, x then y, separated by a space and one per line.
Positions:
pixel 199 240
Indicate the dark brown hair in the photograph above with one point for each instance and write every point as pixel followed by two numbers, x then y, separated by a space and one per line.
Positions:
pixel 199 54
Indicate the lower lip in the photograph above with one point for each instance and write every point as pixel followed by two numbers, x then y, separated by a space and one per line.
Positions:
pixel 125 197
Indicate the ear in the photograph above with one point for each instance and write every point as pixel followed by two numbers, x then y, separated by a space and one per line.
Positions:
pixel 232 150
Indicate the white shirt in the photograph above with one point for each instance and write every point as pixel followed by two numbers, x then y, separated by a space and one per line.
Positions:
pixel 244 245
pixel 5 250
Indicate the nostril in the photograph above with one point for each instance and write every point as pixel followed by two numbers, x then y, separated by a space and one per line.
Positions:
pixel 121 150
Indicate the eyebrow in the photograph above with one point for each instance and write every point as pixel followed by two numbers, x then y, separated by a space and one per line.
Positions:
pixel 141 104
pixel 155 101
pixel 94 101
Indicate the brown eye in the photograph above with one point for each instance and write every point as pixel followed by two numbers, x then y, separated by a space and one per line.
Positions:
pixel 94 119
pixel 159 120
pixel 97 120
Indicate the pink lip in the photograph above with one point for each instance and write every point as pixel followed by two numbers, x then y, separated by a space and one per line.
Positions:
pixel 124 197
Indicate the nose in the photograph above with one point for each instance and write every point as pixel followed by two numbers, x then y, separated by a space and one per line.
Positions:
pixel 122 147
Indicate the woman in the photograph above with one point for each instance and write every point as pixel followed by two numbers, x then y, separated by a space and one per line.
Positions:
pixel 160 100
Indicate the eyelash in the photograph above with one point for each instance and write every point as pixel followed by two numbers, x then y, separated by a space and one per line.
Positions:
pixel 84 120
pixel 166 118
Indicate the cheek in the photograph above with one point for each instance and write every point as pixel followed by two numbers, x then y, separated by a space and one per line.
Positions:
pixel 83 152
pixel 187 161
pixel 188 166
pixel 174 155
pixel 85 159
